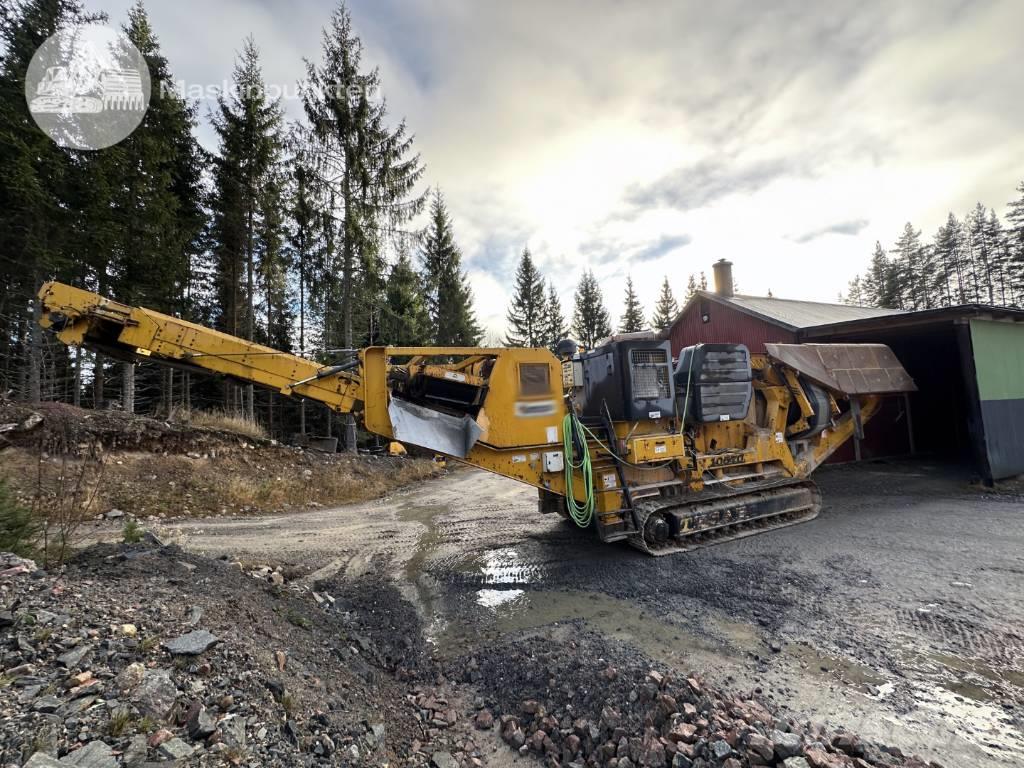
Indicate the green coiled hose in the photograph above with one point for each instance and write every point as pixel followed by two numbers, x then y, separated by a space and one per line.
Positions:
pixel 583 514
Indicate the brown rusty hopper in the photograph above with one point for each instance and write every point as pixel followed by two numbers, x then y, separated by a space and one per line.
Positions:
pixel 853 369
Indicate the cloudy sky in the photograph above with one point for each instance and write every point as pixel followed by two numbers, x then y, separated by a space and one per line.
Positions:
pixel 653 138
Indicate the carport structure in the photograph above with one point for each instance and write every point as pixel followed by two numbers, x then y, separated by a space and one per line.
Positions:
pixel 968 364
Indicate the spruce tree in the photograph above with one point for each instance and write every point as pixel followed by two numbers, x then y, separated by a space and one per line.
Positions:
pixel 554 329
pixel 979 257
pixel 526 327
pixel 878 285
pixel 439 250
pixel 691 289
pixel 305 230
pixel 666 309
pixel 590 319
pixel 247 209
pixel 633 317
pixel 158 203
pixel 1001 280
pixel 947 284
pixel 1014 238
pixel 404 321
pixel 449 297
pixel 854 293
pixel 370 169
pixel 37 212
pixel 305 244
pixel 914 269
pixel 456 324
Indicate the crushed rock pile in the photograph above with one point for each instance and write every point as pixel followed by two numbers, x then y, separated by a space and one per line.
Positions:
pixel 576 700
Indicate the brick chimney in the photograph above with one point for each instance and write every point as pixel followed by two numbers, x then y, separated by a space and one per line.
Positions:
pixel 723 277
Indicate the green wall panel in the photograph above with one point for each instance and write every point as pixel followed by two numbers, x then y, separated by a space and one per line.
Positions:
pixel 999 364
pixel 998 359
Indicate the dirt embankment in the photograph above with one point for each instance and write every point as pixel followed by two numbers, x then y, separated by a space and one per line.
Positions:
pixel 146 467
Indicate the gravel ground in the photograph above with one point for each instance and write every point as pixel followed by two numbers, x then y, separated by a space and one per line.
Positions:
pixel 897 613
pixel 144 655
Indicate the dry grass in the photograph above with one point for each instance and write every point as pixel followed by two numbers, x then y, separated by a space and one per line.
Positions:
pixel 345 480
pixel 120 719
pixel 223 421
pixel 260 479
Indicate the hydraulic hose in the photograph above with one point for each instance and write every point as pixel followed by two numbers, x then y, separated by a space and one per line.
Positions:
pixel 572 430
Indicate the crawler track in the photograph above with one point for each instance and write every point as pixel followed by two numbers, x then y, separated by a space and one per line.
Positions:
pixel 671 524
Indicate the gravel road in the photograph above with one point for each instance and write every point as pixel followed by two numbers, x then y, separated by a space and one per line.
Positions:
pixel 898 612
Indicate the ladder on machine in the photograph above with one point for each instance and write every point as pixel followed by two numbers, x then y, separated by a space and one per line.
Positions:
pixel 614 524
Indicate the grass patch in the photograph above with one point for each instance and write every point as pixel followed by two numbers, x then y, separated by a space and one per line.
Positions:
pixel 17 528
pixel 298 620
pixel 120 719
pixel 131 533
pixel 288 704
pixel 223 421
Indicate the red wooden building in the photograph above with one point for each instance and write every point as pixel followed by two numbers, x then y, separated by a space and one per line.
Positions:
pixel 725 317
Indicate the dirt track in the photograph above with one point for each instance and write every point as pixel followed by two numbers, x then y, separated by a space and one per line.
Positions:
pixel 898 612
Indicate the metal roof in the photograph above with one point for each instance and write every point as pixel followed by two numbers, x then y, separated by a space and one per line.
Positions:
pixel 920 317
pixel 796 314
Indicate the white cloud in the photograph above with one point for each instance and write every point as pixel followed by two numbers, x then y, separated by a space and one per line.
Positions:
pixel 595 131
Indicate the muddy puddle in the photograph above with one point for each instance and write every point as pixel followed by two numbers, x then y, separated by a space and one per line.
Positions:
pixel 416 585
pixel 515 610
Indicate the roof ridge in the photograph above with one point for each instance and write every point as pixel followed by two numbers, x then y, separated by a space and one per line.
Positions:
pixel 804 301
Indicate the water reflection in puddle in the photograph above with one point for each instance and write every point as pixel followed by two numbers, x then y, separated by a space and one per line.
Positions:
pixel 493 598
pixel 505 566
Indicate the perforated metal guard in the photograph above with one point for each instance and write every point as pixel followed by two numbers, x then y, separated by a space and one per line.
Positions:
pixel 650 374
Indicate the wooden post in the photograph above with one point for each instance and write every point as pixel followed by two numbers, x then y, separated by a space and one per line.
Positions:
pixel 35 356
pixel 76 395
pixel 349 433
pixel 97 381
pixel 128 387
pixel 858 427
pixel 910 423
